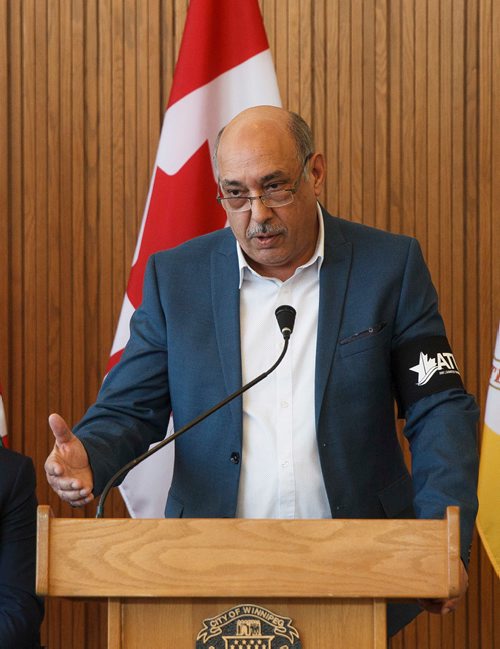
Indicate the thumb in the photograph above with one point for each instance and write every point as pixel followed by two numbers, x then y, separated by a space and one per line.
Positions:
pixel 60 428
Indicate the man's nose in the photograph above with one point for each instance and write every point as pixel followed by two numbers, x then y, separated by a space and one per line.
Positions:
pixel 260 213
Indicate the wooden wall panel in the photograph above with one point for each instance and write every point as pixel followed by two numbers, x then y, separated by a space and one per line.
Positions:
pixel 402 96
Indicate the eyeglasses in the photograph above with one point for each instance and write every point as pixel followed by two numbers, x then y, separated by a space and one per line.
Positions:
pixel 275 198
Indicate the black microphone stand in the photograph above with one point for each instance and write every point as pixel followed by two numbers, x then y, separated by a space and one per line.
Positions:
pixel 286 330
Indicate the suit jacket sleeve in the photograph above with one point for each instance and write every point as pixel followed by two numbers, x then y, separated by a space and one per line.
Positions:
pixel 21 612
pixel 440 427
pixel 133 406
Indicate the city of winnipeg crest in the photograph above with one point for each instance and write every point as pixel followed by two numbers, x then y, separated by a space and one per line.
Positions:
pixel 248 626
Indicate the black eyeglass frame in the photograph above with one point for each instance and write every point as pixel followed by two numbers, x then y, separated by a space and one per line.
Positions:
pixel 263 197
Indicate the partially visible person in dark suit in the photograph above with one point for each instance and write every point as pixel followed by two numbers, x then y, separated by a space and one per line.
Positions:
pixel 21 611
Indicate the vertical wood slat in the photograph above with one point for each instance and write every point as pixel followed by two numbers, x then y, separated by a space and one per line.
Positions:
pixel 457 217
pixel 419 69
pixel 430 210
pixel 395 41
pixel 306 62
pixel 472 365
pixel 318 117
pixel 410 86
pixel 4 181
pixel 29 145
pixel 344 94
pixel 103 76
pixel 366 176
pixel 381 114
pixel 443 231
pixel 293 56
pixel 14 350
pixel 403 98
pixel 330 111
pixel 92 190
pixel 356 106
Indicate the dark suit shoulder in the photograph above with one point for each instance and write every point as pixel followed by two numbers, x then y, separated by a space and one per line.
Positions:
pixel 202 246
pixel 373 250
pixel 362 233
pixel 17 475
pixel 8 457
pixel 178 267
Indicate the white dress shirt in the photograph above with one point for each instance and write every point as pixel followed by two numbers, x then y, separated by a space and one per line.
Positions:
pixel 280 469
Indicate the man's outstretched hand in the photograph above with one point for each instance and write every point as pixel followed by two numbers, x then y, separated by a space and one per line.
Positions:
pixel 67 467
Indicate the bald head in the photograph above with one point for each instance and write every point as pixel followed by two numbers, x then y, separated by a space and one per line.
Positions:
pixel 268 119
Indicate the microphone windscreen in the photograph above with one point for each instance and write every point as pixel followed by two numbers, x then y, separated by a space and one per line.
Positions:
pixel 285 315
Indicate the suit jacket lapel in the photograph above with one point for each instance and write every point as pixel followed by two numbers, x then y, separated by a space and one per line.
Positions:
pixel 334 278
pixel 226 314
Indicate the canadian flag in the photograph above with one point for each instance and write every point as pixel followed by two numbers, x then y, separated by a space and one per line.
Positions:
pixel 4 440
pixel 224 66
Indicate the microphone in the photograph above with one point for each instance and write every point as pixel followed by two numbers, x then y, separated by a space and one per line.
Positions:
pixel 285 315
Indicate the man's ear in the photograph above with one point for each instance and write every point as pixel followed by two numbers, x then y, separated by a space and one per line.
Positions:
pixel 318 171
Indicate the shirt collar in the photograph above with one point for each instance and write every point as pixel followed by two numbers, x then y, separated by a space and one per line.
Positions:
pixel 317 256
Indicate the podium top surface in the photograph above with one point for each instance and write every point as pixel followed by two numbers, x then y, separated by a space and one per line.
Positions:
pixel 247 557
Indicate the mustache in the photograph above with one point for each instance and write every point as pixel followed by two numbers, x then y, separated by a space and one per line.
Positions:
pixel 264 228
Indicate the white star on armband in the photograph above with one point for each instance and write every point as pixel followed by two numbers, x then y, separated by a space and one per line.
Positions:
pixel 426 368
pixel 436 369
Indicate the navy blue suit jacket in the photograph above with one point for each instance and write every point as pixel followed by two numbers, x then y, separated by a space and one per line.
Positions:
pixel 184 356
pixel 21 612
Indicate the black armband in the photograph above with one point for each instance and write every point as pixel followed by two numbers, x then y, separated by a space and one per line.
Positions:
pixel 422 367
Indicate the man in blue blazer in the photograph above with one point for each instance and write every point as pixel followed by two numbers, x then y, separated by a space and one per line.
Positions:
pixel 368 333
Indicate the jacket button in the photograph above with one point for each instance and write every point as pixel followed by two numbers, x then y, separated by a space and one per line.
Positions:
pixel 235 458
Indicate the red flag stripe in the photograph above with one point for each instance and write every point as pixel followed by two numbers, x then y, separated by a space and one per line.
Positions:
pixel 3 423
pixel 231 31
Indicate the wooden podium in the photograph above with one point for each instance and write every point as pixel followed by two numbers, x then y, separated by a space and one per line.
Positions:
pixel 167 580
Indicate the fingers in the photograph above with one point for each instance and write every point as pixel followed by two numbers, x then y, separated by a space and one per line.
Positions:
pixel 53 466
pixel 75 498
pixel 439 606
pixel 69 486
pixel 444 606
pixel 71 490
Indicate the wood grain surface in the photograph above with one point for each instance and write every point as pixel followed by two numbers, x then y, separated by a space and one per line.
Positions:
pixel 246 557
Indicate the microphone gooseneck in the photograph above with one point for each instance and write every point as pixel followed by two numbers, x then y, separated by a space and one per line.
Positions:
pixel 285 316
